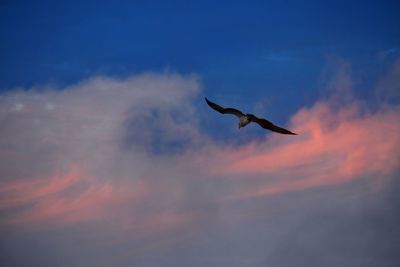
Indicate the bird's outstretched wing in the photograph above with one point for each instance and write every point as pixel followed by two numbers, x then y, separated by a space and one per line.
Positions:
pixel 268 125
pixel 222 110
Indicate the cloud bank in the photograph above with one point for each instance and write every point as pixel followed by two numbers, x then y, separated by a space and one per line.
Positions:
pixel 123 166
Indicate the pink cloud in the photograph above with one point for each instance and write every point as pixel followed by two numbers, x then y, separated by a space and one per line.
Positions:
pixel 78 197
pixel 105 130
pixel 334 146
pixel 22 192
pixel 65 199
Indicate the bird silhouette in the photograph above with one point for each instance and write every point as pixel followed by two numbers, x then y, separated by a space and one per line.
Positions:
pixel 245 119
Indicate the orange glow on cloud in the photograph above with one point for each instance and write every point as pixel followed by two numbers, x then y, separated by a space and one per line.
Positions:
pixel 78 197
pixel 65 199
pixel 23 192
pixel 333 147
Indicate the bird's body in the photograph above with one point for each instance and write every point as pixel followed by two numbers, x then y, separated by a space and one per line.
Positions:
pixel 245 119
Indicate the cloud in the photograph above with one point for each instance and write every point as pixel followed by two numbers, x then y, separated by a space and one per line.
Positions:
pixel 93 149
pixel 125 165
pixel 334 146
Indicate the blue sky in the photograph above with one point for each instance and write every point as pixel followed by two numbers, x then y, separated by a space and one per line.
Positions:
pixel 265 45
pixel 109 155
pixel 244 52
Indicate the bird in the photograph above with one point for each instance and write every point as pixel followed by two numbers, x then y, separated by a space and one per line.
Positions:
pixel 245 119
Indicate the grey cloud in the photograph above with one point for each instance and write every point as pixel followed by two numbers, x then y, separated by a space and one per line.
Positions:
pixel 144 192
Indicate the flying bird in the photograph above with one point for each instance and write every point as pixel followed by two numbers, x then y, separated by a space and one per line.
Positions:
pixel 245 119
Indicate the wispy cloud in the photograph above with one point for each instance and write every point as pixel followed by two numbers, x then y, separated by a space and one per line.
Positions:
pixel 92 150
pixel 334 146
pixel 125 161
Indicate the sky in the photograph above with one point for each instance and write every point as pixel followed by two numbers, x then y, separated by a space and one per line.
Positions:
pixel 109 155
